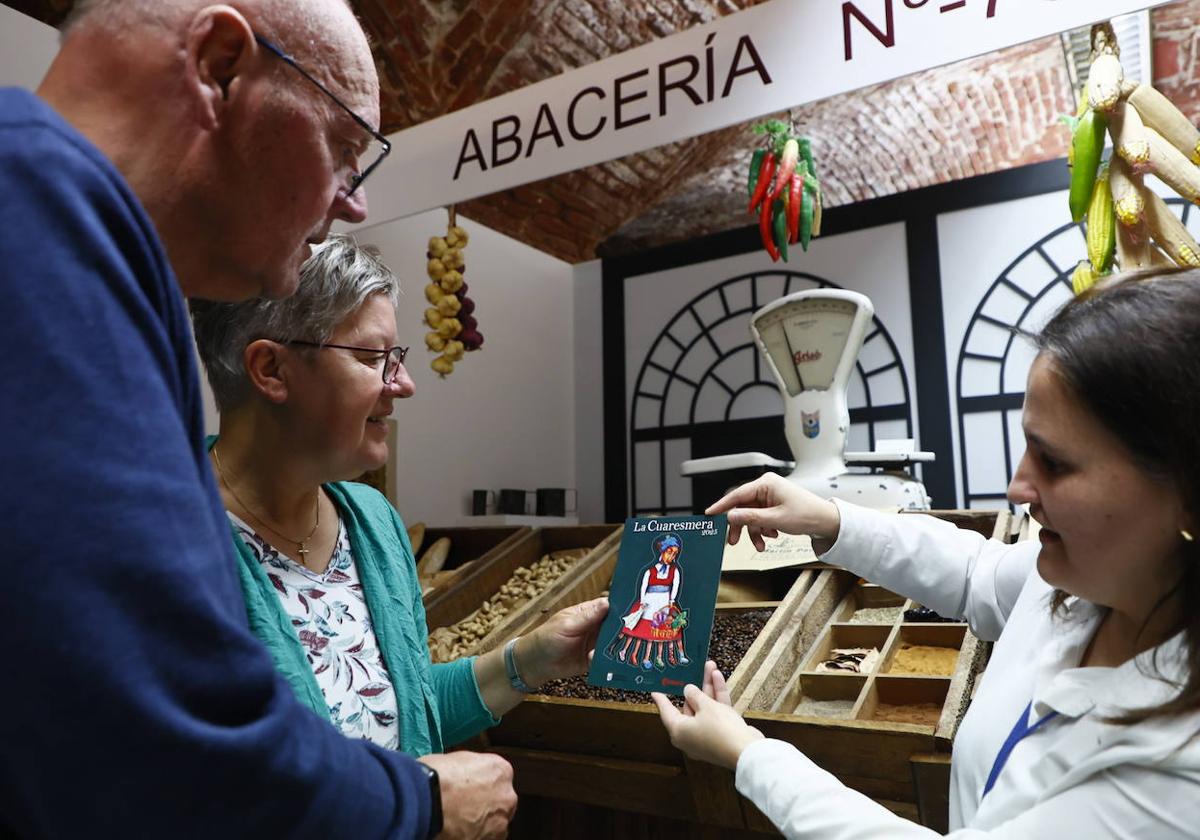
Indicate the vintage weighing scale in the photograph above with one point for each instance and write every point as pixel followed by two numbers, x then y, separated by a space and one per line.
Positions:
pixel 811 341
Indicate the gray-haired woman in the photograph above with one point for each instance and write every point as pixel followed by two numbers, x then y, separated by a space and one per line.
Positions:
pixel 303 386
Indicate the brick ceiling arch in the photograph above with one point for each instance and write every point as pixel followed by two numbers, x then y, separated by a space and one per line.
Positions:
pixel 970 118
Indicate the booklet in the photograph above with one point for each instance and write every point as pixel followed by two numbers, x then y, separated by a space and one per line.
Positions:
pixel 662 599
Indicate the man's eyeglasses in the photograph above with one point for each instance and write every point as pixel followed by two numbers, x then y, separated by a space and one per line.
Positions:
pixel 379 146
pixel 395 355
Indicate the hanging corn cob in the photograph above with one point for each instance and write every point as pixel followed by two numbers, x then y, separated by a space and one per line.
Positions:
pixel 1126 186
pixel 1083 278
pixel 1128 225
pixel 783 190
pixel 1101 226
pixel 453 328
pixel 1157 112
pixel 1129 137
pixel 1169 232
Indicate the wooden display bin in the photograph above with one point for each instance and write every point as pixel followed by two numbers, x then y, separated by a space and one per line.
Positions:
pixel 486 577
pixel 751 589
pixel 996 524
pixel 476 546
pixel 611 755
pixel 617 755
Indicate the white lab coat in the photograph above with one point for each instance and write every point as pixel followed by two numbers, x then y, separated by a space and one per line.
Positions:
pixel 1075 777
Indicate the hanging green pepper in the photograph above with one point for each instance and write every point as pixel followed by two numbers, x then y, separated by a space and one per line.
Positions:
pixel 807 208
pixel 816 222
pixel 807 156
pixel 755 166
pixel 779 226
pixel 1088 147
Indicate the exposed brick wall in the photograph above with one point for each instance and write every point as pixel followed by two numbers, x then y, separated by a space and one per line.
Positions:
pixel 1177 54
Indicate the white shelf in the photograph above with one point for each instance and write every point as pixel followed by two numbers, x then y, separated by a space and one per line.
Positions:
pixel 506 519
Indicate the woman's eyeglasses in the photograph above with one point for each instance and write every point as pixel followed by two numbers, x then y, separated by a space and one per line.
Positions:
pixel 395 355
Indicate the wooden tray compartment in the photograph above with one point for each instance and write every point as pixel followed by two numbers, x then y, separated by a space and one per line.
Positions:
pixel 842 636
pixel 995 524
pixel 751 588
pixel 939 635
pixel 821 688
pixel 904 692
pixel 870 596
pixel 588 579
pixel 484 579
pixel 468 545
pixel 772 662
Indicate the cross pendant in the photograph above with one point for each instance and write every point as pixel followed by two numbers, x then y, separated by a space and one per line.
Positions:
pixel 303 552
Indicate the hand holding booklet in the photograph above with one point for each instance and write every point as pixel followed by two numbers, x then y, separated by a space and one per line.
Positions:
pixel 662 599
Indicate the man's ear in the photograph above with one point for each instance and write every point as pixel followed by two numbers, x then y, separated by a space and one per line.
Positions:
pixel 219 48
pixel 265 363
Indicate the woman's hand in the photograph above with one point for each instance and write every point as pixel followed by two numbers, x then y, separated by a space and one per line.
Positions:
pixel 708 729
pixel 562 646
pixel 771 504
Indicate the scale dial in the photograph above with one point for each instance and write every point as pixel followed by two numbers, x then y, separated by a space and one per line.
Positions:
pixel 806 339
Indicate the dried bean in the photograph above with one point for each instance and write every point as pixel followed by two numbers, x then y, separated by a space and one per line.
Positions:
pixel 525 584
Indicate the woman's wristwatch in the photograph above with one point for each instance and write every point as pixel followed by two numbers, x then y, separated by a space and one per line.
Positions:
pixel 435 800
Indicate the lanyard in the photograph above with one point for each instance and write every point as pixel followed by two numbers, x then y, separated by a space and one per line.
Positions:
pixel 1020 730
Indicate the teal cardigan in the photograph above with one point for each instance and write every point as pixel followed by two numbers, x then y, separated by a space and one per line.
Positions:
pixel 440 705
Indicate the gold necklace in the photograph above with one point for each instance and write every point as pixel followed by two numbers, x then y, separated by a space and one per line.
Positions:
pixel 301 545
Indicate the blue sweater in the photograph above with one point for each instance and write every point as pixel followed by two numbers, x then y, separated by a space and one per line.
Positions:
pixel 136 700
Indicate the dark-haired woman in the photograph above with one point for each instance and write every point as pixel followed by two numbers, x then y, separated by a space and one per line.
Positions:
pixel 1085 722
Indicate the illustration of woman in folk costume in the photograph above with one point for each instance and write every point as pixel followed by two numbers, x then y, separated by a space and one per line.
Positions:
pixel 655 622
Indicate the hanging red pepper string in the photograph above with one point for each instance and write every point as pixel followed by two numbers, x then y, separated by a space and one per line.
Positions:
pixel 765 172
pixel 793 208
pixel 783 188
pixel 766 232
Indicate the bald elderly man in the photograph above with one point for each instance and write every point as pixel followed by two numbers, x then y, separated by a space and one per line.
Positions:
pixel 174 148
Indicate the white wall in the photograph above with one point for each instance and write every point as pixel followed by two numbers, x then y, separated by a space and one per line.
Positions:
pixel 872 261
pixel 27 47
pixel 978 247
pixel 589 392
pixel 506 416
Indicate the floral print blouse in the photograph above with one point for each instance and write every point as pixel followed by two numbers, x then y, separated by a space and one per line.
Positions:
pixel 329 612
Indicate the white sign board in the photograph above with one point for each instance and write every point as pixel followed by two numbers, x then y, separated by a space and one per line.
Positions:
pixel 758 61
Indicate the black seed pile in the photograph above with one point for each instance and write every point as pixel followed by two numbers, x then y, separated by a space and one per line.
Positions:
pixel 731 637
